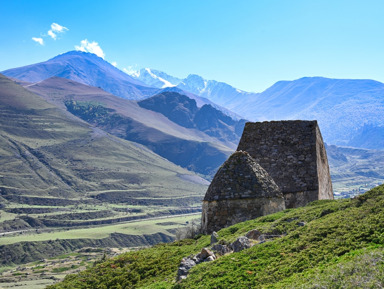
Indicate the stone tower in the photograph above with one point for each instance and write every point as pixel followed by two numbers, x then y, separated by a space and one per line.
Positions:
pixel 293 154
pixel 241 190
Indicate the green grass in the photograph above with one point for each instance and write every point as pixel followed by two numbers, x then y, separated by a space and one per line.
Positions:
pixel 358 269
pixel 135 228
pixel 6 268
pixel 334 247
pixel 62 269
pixel 5 216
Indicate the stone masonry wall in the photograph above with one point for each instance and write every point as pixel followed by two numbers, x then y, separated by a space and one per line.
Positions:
pixel 277 165
pixel 241 190
pixel 323 173
pixel 293 154
pixel 223 213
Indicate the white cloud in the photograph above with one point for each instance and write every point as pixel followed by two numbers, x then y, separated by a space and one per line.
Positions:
pixel 132 70
pixel 55 29
pixel 38 40
pixel 114 63
pixel 92 47
pixel 58 28
pixel 53 35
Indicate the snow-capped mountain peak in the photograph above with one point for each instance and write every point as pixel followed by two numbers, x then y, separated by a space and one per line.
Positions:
pixel 219 93
pixel 166 82
pixel 154 78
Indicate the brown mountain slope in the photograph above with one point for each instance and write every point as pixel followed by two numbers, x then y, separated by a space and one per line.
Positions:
pixel 189 148
pixel 46 153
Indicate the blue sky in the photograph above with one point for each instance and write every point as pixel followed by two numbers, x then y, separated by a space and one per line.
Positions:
pixel 248 44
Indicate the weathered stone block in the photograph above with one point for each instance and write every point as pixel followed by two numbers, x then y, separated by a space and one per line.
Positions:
pixel 241 244
pixel 278 165
pixel 293 154
pixel 221 249
pixel 257 194
pixel 253 234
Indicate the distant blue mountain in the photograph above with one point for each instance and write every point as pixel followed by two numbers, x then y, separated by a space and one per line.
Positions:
pixel 341 106
pixel 86 68
pixel 219 92
pixel 369 136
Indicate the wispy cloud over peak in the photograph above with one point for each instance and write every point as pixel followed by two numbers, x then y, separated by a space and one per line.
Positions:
pixel 56 29
pixel 92 47
pixel 53 32
pixel 38 40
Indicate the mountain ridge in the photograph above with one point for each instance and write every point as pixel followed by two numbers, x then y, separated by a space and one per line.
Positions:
pixel 342 106
pixel 86 68
pixel 184 111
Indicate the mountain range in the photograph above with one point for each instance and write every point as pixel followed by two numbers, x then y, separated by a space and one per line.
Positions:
pixel 341 106
pixel 349 112
pixel 184 111
pixel 219 93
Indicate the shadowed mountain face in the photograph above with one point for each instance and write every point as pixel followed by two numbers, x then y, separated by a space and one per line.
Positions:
pixel 183 111
pixel 86 68
pixel 183 144
pixel 47 151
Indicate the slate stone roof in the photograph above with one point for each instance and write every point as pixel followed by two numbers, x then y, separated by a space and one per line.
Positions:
pixel 241 177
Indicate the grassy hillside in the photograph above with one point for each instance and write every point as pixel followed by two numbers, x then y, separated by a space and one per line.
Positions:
pixel 59 173
pixel 327 244
pixel 43 145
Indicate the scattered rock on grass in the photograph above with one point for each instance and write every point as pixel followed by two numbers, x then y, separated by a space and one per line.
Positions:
pixel 221 249
pixel 253 234
pixel 187 263
pixel 240 244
